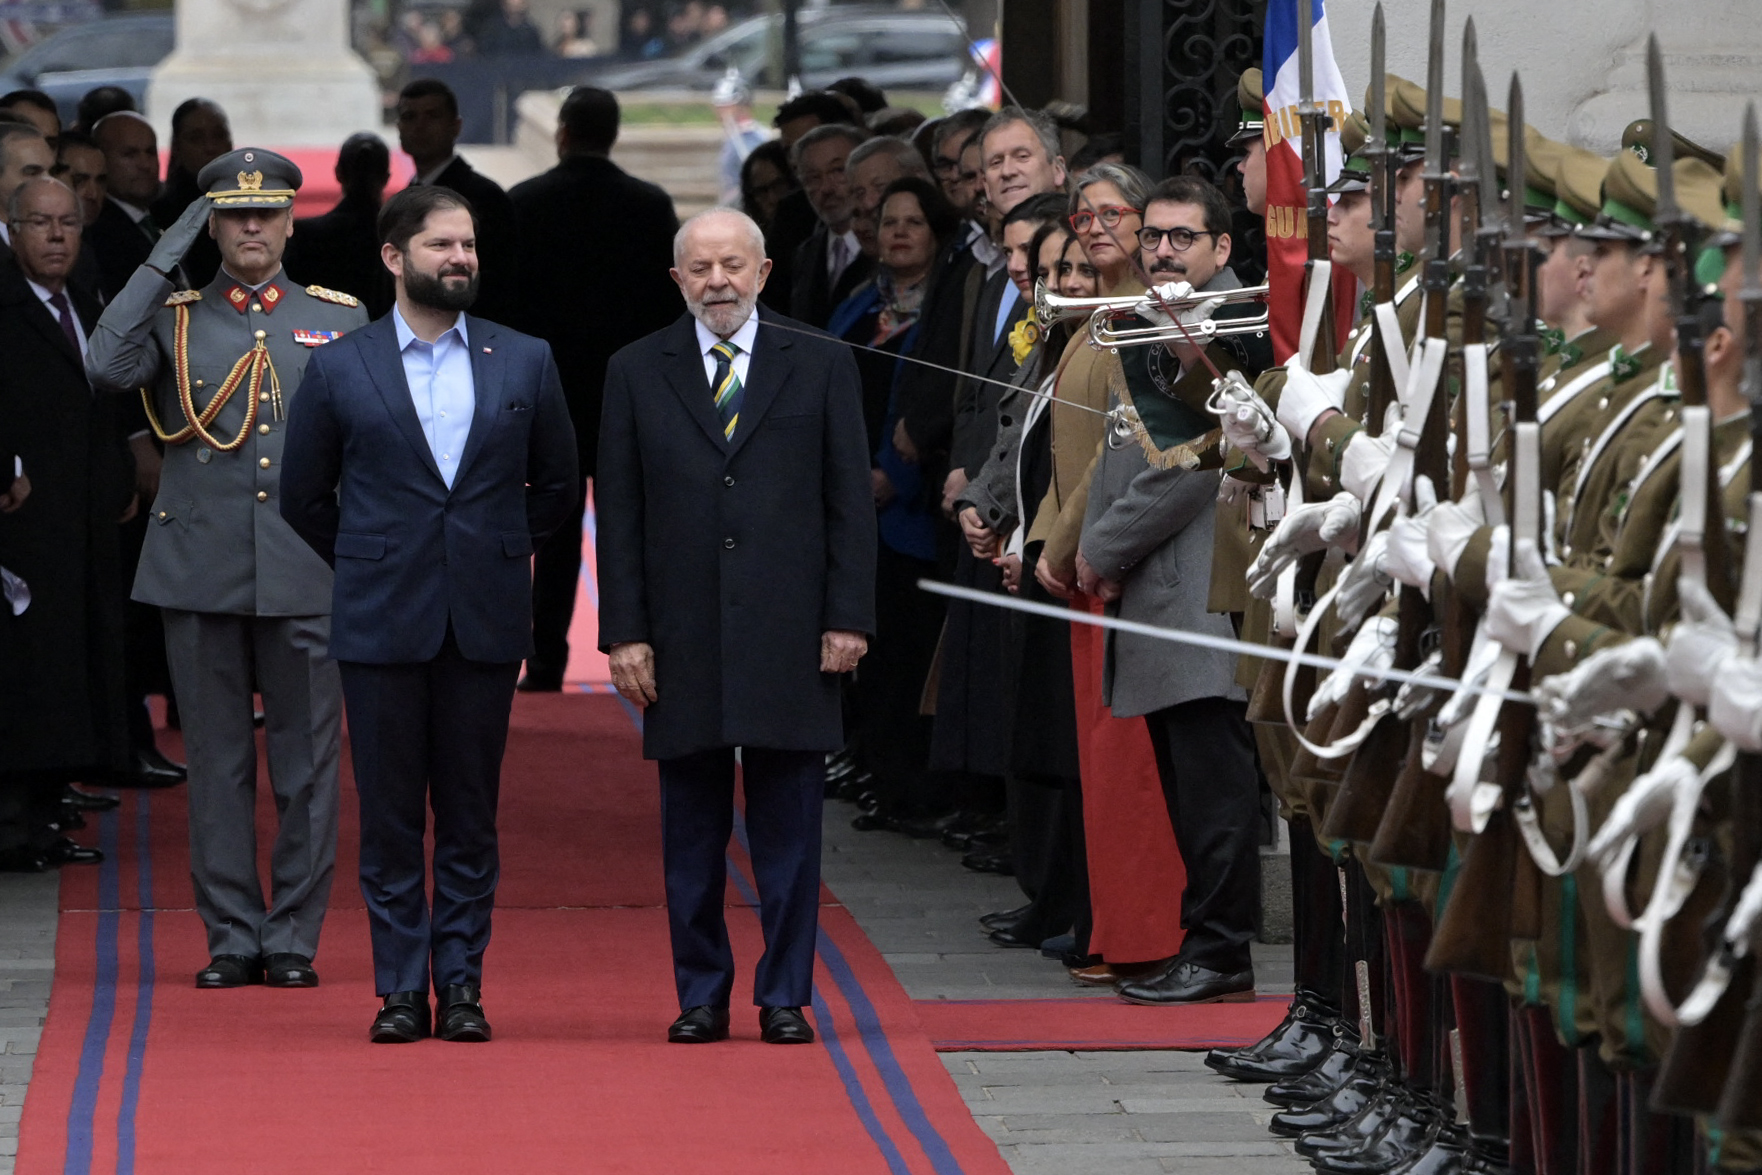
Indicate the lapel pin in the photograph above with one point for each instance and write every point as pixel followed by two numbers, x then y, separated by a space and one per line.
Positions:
pixel 488 351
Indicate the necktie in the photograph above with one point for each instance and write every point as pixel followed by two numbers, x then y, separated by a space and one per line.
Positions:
pixel 727 387
pixel 839 261
pixel 64 312
pixel 150 227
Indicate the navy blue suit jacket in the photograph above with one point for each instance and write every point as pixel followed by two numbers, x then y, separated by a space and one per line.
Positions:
pixel 359 483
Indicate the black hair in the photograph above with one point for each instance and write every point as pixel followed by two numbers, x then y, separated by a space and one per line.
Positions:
pixel 963 124
pixel 821 104
pixel 35 98
pixel 865 93
pixel 188 107
pixel 363 162
pixel 431 88
pixel 770 151
pixel 1045 207
pixel 590 115
pixel 1190 189
pixel 1094 150
pixel 102 101
pixel 939 214
pixel 403 216
pixel 68 139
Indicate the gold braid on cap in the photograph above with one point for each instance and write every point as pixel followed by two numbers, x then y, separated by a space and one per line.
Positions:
pixel 252 365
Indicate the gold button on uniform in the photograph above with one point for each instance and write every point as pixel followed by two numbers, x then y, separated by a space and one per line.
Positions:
pixel 259 334
pixel 199 383
pixel 263 428
pixel 263 495
pixel 264 463
pixel 256 308
pixel 263 397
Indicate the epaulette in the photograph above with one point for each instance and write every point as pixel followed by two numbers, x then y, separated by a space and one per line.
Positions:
pixel 183 297
pixel 340 298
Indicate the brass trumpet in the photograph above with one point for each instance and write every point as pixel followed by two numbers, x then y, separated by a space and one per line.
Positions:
pixel 1104 312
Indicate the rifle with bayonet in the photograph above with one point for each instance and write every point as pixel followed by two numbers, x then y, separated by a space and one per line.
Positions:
pixel 1409 832
pixel 1703 1058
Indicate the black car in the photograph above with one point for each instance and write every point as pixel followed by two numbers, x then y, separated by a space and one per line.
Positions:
pixel 113 51
pixel 895 50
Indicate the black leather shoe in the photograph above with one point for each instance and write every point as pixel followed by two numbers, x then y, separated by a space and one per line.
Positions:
pixel 987 861
pixel 699 1025
pixel 289 970
pixel 854 787
pixel 1295 1046
pixel 1358 1131
pixel 1369 1073
pixel 1405 1137
pixel 89 801
pixel 62 851
pixel 149 768
pixel 458 1014
pixel 1335 1069
pixel 230 971
pixel 1189 983
pixel 1447 1154
pixel 1007 937
pixel 1004 917
pixel 402 1019
pixel 784 1026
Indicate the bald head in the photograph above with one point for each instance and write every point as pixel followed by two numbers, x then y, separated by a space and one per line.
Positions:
pixel 44 217
pixel 720 266
pixel 131 155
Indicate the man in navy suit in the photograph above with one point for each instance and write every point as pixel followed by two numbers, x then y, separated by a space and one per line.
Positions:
pixel 733 455
pixel 428 453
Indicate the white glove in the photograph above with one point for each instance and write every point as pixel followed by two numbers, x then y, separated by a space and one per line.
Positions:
pixel 1736 705
pixel 1313 526
pixel 1372 649
pixel 1231 490
pixel 1363 463
pixel 1644 805
pixel 1365 585
pixel 1307 396
pixel 1408 561
pixel 1192 318
pixel 1248 422
pixel 1699 644
pixel 1523 608
pixel 1746 915
pixel 1453 524
pixel 1628 676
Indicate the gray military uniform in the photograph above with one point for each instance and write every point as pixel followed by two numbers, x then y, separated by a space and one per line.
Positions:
pixel 246 602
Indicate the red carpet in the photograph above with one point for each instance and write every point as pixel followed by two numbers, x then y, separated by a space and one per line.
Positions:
pixel 138 1071
pixel 1013 1026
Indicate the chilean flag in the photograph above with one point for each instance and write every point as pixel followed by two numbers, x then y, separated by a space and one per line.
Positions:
pixel 1287 224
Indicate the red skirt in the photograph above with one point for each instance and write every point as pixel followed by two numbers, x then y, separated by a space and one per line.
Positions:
pixel 1135 871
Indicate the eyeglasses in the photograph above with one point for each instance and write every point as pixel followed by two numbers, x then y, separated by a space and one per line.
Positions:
pixel 1180 239
pixel 1110 214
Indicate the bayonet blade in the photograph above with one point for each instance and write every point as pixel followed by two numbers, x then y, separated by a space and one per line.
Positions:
pixel 1379 123
pixel 1305 52
pixel 1469 167
pixel 1752 203
pixel 1516 162
pixel 1436 164
pixel 1663 149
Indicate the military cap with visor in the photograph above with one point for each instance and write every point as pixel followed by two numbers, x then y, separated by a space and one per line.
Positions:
pixel 250 177
pixel 1251 103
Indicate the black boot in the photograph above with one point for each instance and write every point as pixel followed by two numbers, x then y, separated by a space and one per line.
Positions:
pixel 1334 1070
pixel 1294 1047
pixel 1370 1073
pixel 1360 1130
pixel 1407 1136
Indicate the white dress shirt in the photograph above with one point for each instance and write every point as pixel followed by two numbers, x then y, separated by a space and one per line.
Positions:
pixel 45 294
pixel 442 388
pixel 840 252
pixel 744 338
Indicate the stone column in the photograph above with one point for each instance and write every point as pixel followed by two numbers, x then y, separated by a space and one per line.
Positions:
pixel 282 70
pixel 1583 65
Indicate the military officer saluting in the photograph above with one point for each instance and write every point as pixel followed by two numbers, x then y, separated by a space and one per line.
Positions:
pixel 246 602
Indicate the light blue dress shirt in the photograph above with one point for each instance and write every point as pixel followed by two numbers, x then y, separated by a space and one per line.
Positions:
pixel 442 388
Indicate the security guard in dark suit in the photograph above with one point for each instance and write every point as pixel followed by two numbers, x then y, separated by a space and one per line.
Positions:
pixel 246 603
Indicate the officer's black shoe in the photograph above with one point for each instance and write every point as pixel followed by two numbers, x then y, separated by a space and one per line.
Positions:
pixel 1004 917
pixel 1366 1083
pixel 784 1026
pixel 699 1025
pixel 1295 1046
pixel 289 970
pixel 1446 1154
pixel 1407 1134
pixel 1308 1088
pixel 402 1019
pixel 1181 982
pixel 1358 1131
pixel 89 801
pixel 149 768
pixel 62 851
pixel 230 971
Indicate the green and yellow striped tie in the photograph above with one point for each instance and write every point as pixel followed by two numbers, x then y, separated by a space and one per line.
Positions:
pixel 727 385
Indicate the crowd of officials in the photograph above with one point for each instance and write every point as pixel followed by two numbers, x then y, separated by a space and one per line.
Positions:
pixel 916 241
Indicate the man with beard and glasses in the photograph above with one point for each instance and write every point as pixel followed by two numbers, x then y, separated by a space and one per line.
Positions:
pixel 430 453
pixel 245 604
pixel 737 547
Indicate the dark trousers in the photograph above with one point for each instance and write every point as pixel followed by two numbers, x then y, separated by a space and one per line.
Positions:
pixel 894 737
pixel 1205 755
pixel 785 791
pixel 556 575
pixel 428 734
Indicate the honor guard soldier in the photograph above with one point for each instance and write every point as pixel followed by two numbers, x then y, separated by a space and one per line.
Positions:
pixel 246 602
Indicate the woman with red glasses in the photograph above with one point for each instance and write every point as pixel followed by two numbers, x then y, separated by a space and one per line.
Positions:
pixel 1106 222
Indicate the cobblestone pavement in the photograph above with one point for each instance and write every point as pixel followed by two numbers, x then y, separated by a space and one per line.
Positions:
pixel 1050 1112
pixel 27 962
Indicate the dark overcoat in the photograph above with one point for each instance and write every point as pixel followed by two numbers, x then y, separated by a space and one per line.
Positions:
pixel 732 558
pixel 61 688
